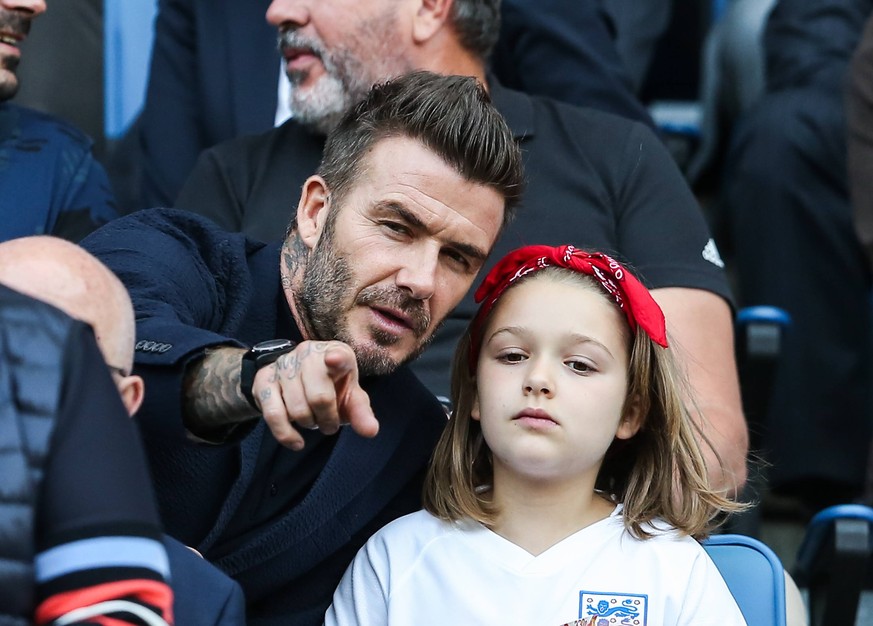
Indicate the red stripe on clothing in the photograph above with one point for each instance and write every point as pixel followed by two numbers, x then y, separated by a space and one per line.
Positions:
pixel 150 592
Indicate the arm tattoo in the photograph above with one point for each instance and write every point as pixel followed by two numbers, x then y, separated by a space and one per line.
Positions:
pixel 211 393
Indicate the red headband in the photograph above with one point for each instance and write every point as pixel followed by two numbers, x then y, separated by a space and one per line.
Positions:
pixel 629 293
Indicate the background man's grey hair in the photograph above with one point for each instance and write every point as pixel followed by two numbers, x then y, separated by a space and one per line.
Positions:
pixel 477 23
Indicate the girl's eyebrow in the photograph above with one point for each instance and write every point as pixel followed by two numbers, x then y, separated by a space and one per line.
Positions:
pixel 579 338
pixel 523 332
pixel 511 330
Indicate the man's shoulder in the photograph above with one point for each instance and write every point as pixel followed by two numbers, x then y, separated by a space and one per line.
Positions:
pixel 290 137
pixel 168 237
pixel 31 125
pixel 528 112
pixel 179 224
pixel 30 313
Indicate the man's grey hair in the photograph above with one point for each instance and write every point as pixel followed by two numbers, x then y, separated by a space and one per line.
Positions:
pixel 477 23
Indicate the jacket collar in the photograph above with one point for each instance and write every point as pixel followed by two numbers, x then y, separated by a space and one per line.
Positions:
pixel 516 107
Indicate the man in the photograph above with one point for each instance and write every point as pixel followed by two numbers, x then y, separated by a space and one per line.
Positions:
pixel 557 48
pixel 415 184
pixel 79 533
pixel 786 192
pixel 64 275
pixel 592 179
pixel 49 180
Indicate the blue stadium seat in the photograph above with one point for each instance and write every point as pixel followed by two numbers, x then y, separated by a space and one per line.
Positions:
pixel 760 333
pixel 754 575
pixel 834 562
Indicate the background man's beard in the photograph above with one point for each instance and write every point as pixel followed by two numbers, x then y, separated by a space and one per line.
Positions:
pixel 344 83
pixel 347 78
pixel 321 107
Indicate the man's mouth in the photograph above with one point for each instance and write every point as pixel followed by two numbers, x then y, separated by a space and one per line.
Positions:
pixel 11 39
pixel 396 317
pixel 292 53
pixel 395 310
pixel 298 49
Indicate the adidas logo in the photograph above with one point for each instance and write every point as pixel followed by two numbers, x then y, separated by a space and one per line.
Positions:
pixel 710 253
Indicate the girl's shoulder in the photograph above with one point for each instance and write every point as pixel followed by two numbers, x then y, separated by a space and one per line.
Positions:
pixel 420 522
pixel 661 536
pixel 414 530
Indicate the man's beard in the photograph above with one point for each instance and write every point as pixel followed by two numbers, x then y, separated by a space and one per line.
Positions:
pixel 13 23
pixel 8 80
pixel 350 71
pixel 323 301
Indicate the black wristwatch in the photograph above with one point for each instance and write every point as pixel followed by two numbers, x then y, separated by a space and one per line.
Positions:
pixel 258 356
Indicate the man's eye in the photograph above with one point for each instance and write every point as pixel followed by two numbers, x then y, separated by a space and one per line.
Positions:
pixel 397 227
pixel 457 258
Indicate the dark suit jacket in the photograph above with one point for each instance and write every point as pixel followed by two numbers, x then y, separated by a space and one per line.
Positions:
pixel 809 44
pixel 214 75
pixel 194 286
pixel 215 71
pixel 202 594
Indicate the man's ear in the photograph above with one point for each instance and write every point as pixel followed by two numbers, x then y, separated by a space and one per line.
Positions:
pixel 632 419
pixel 132 390
pixel 312 210
pixel 429 18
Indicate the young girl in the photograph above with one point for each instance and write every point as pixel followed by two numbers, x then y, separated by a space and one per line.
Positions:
pixel 569 486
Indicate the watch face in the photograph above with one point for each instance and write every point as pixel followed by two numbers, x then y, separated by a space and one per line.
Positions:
pixel 271 345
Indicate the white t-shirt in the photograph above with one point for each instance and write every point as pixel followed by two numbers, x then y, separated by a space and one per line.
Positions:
pixel 283 97
pixel 420 570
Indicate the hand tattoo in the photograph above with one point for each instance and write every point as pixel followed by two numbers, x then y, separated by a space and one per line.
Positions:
pixel 288 365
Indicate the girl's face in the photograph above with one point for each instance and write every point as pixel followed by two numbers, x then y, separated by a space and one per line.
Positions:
pixel 552 381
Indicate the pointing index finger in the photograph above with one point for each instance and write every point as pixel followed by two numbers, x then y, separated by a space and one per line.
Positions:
pixel 353 402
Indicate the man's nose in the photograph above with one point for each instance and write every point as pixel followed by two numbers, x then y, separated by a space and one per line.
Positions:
pixel 286 13
pixel 418 274
pixel 34 7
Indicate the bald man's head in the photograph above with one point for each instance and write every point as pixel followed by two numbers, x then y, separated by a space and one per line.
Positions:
pixel 69 278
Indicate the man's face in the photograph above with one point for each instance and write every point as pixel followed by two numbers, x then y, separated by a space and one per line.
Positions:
pixel 15 18
pixel 397 254
pixel 335 50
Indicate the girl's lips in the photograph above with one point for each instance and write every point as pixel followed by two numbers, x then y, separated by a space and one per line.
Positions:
pixel 535 416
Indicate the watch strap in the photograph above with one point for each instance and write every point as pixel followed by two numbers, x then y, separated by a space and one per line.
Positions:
pixel 254 360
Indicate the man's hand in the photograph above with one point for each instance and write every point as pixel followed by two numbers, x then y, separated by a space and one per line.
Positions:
pixel 314 386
